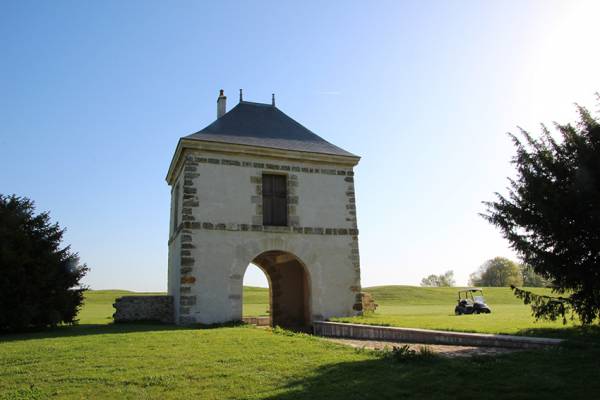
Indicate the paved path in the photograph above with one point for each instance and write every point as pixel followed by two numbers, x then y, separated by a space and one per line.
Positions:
pixel 428 336
pixel 443 350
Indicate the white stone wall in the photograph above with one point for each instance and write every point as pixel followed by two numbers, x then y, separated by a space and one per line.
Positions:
pixel 221 232
pixel 173 273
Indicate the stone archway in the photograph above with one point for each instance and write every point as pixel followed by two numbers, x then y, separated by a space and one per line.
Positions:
pixel 289 289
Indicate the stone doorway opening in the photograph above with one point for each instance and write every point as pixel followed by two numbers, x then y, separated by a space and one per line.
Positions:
pixel 289 290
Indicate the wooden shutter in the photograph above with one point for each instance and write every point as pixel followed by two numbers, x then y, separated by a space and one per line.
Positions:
pixel 274 200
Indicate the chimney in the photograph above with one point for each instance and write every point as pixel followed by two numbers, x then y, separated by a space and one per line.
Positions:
pixel 221 104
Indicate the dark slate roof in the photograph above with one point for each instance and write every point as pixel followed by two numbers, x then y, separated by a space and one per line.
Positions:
pixel 264 125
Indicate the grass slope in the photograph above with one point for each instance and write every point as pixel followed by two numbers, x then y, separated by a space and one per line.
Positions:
pixel 422 296
pixel 101 360
pixel 406 306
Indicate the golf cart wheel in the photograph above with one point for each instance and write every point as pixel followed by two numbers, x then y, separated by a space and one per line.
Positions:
pixel 476 311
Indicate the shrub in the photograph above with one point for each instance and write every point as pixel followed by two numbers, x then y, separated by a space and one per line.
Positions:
pixel 405 353
pixel 368 303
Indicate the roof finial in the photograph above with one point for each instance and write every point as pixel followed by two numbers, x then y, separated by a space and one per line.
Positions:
pixel 273 99
pixel 241 98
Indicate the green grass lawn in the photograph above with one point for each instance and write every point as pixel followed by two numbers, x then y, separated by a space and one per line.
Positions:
pixel 256 301
pixel 98 360
pixel 433 308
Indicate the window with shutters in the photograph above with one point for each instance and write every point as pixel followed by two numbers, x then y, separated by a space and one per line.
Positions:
pixel 274 191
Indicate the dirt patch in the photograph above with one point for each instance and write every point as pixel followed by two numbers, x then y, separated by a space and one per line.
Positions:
pixel 442 350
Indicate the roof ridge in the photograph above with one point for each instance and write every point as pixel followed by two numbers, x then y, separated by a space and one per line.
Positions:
pixel 264 125
pixel 254 103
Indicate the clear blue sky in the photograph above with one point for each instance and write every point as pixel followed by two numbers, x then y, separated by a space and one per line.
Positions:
pixel 94 96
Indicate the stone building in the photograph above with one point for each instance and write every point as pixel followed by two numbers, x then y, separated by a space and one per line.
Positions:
pixel 257 187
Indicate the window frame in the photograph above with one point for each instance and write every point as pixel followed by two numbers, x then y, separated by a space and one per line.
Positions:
pixel 275 202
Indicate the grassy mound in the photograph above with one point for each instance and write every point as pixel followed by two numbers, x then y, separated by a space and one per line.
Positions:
pixel 422 296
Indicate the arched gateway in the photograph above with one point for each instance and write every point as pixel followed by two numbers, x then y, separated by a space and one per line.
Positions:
pixel 289 288
pixel 256 186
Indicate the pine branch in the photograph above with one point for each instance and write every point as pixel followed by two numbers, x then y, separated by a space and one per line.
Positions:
pixel 545 307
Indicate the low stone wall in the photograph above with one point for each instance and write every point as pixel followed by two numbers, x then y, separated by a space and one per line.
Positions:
pixel 144 308
pixel 357 331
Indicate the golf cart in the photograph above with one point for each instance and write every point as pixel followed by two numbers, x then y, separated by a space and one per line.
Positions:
pixel 470 301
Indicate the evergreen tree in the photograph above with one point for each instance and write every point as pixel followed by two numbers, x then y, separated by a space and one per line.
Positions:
pixel 551 216
pixel 39 280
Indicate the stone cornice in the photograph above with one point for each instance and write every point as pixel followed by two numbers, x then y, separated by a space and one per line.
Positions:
pixel 184 145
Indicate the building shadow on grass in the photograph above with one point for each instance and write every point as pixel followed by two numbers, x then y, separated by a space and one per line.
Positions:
pixel 523 374
pixel 102 329
pixel 372 379
pixel 386 379
pixel 589 334
pixel 520 375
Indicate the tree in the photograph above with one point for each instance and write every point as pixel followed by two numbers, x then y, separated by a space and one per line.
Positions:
pixel 498 272
pixel 551 216
pixel 531 279
pixel 39 280
pixel 444 280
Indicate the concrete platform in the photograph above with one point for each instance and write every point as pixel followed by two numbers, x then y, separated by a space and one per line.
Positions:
pixel 444 350
pixel 427 336
pixel 258 321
